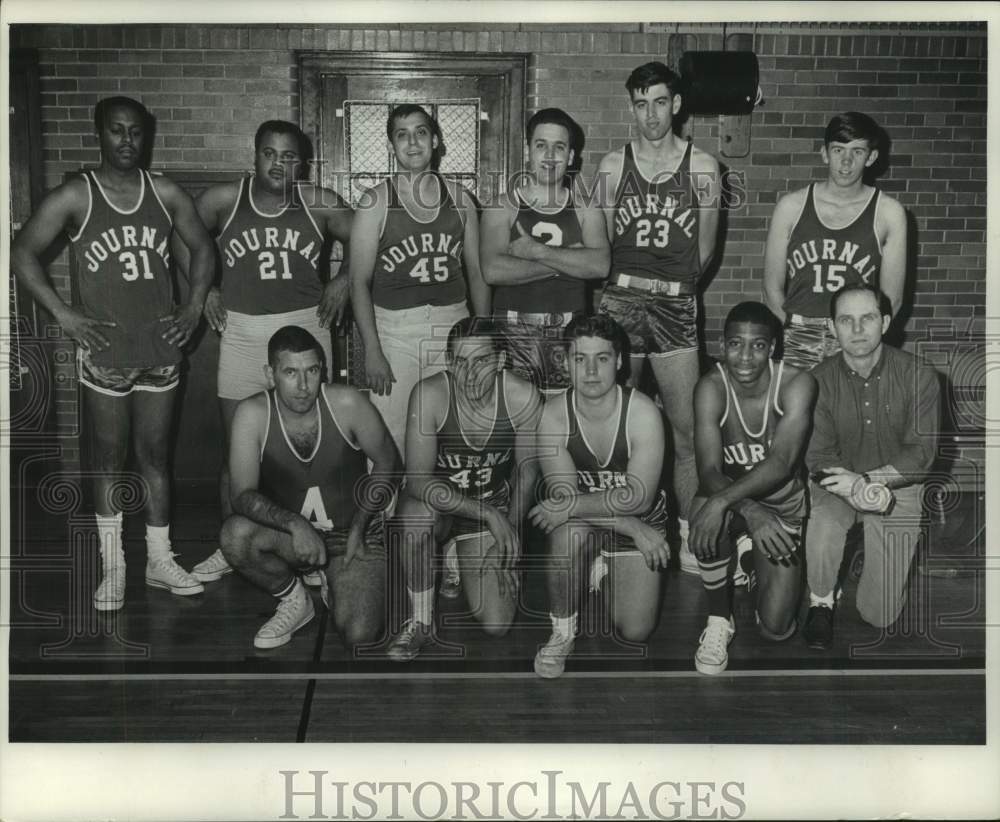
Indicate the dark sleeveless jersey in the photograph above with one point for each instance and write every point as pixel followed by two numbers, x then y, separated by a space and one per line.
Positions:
pixel 556 295
pixel 419 263
pixel 269 261
pixel 592 475
pixel 481 473
pixel 742 449
pixel 820 259
pixel 323 486
pixel 656 223
pixel 124 276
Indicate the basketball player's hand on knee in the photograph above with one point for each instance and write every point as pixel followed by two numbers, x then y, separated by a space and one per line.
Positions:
pixel 85 330
pixel 550 513
pixel 652 545
pixel 333 303
pixel 308 545
pixel 705 527
pixel 505 536
pixel 378 373
pixel 215 311
pixel 767 532
pixel 181 324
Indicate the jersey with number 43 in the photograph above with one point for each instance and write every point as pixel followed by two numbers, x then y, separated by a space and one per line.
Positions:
pixel 821 260
pixel 269 261
pixel 482 473
pixel 322 486
pixel 419 263
pixel 124 276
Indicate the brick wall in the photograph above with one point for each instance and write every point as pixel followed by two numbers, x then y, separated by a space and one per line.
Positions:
pixel 210 86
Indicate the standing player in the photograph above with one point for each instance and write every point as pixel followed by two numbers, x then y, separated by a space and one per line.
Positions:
pixel 752 419
pixel 830 234
pixel 414 265
pixel 273 231
pixel 303 497
pixel 467 438
pixel 872 444
pixel 539 246
pixel 662 228
pixel 601 449
pixel 119 219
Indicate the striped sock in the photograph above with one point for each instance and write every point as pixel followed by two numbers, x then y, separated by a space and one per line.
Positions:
pixel 718 586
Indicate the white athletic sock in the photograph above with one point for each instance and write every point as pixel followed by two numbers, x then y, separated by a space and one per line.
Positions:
pixel 684 530
pixel 826 601
pixel 422 603
pixel 157 542
pixel 109 533
pixel 566 626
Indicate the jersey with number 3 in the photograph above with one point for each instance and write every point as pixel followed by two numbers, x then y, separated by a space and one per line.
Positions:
pixel 820 260
pixel 322 486
pixel 124 276
pixel 656 223
pixel 555 295
pixel 269 261
pixel 419 263
pixel 483 473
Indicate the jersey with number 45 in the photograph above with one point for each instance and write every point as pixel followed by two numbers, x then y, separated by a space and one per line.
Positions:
pixel 418 262
pixel 821 260
pixel 123 258
pixel 269 261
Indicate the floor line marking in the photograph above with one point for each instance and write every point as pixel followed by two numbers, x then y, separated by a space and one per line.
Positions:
pixel 457 675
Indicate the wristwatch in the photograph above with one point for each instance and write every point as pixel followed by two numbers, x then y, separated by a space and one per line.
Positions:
pixel 879 494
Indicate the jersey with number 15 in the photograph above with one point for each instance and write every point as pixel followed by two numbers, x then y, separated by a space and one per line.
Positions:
pixel 822 260
pixel 123 270
pixel 269 261
pixel 419 263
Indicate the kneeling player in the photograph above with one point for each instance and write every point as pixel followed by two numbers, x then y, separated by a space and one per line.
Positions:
pixel 601 450
pixel 752 422
pixel 303 497
pixel 468 435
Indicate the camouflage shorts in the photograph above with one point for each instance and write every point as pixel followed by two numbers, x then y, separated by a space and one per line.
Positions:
pixel 808 341
pixel 120 382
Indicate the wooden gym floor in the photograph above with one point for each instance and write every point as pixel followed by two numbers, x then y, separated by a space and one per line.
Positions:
pixel 172 669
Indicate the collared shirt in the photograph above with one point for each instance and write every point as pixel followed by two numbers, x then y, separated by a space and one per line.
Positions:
pixel 890 417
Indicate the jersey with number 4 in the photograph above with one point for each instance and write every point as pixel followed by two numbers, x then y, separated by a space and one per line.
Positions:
pixel 124 276
pixel 820 260
pixel 269 261
pixel 322 486
pixel 484 472
pixel 656 223
pixel 419 263
pixel 555 295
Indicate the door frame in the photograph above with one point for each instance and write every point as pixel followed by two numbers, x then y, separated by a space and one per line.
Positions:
pixel 511 68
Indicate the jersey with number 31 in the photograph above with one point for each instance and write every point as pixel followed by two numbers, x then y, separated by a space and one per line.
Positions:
pixel 269 261
pixel 419 263
pixel 123 270
pixel 821 260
